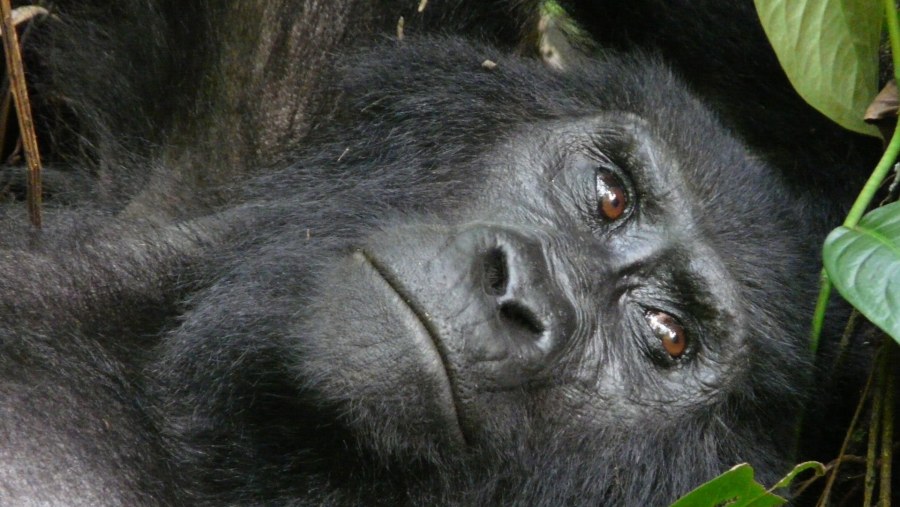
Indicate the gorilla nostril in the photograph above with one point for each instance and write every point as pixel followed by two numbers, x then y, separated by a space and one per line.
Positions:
pixel 520 316
pixel 495 272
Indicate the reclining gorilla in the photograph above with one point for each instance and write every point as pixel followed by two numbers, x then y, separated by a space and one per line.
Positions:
pixel 474 284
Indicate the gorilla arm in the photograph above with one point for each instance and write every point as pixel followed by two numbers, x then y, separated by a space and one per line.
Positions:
pixel 78 315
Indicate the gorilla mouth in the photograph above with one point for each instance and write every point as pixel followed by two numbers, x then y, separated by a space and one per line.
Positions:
pixel 426 337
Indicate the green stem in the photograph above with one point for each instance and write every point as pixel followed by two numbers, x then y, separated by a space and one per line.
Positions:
pixel 893 26
pixel 874 182
pixel 819 315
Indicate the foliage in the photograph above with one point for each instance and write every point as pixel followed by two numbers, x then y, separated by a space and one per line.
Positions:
pixel 738 488
pixel 829 51
pixel 863 262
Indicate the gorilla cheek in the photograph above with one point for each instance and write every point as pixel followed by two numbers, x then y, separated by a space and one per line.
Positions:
pixel 369 353
pixel 432 335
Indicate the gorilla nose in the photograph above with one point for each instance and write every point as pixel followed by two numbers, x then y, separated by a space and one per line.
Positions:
pixel 489 294
pixel 507 289
pixel 527 310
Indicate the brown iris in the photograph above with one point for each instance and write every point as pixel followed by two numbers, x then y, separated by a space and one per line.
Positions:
pixel 670 333
pixel 612 198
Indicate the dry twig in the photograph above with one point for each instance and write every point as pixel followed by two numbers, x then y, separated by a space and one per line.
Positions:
pixel 23 111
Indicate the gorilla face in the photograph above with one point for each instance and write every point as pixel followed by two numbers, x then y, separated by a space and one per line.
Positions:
pixel 498 286
pixel 576 280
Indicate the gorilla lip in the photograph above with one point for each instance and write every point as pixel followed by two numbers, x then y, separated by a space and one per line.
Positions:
pixel 427 329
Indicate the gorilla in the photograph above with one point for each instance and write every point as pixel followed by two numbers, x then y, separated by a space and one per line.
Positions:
pixel 468 280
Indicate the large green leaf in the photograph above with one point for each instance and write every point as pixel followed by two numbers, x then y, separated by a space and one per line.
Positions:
pixel 738 488
pixel 734 488
pixel 864 265
pixel 829 51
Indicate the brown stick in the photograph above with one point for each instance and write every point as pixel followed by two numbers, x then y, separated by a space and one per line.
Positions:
pixel 23 111
pixel 887 424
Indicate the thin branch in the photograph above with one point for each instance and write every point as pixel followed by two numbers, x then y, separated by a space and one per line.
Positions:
pixel 826 493
pixel 887 424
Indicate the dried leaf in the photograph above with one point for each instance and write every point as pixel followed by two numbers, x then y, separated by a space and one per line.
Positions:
pixel 882 112
pixel 885 104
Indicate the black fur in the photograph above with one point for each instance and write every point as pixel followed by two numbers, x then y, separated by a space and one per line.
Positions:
pixel 333 330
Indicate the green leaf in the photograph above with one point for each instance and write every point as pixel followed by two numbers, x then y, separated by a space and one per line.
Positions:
pixel 863 263
pixel 829 51
pixel 734 488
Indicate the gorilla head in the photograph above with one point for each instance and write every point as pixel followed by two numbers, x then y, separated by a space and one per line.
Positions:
pixel 489 284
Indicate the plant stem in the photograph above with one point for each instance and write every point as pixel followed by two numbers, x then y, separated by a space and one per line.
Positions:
pixel 890 153
pixel 833 473
pixel 819 315
pixel 893 26
pixel 887 424
pixel 874 426
pixel 874 182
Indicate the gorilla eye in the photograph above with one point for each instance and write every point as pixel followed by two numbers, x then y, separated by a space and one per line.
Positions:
pixel 669 332
pixel 612 198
